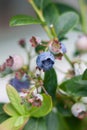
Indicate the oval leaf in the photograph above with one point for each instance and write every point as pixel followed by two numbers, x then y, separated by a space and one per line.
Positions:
pixel 65 23
pixel 41 3
pixel 35 124
pixel 19 20
pixel 75 86
pixel 51 14
pixel 50 82
pixel 44 109
pixel 56 121
pixel 8 124
pixel 13 123
pixel 10 110
pixel 15 99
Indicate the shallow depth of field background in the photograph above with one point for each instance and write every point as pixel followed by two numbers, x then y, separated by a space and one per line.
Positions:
pixel 9 36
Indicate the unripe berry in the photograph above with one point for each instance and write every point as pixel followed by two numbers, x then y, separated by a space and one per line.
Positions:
pixel 79 110
pixel 18 62
pixel 81 43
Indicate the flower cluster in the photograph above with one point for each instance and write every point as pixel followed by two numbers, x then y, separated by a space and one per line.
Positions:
pixel 48 52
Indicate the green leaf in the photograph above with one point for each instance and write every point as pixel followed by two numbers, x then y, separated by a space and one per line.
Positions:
pixel 13 123
pixel 84 76
pixel 62 8
pixel 75 87
pixel 3 115
pixel 15 99
pixel 10 110
pixel 51 14
pixel 41 47
pixel 55 121
pixel 19 20
pixel 52 121
pixel 35 124
pixel 1 107
pixel 65 111
pixel 44 109
pixel 8 124
pixel 65 23
pixel 20 121
pixel 74 123
pixel 50 82
pixel 41 4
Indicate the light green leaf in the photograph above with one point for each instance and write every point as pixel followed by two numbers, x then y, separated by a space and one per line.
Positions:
pixel 65 23
pixel 44 109
pixel 35 124
pixel 10 110
pixel 19 121
pixel 15 99
pixel 13 123
pixel 8 124
pixel 19 20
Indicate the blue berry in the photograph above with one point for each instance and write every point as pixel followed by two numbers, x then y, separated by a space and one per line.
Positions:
pixel 19 85
pixel 45 61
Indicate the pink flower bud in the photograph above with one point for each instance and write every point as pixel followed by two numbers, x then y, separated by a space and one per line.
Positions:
pixel 35 41
pixel 81 43
pixel 18 62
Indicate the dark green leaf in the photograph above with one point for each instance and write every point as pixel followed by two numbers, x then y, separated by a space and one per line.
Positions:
pixel 84 76
pixel 1 107
pixel 3 115
pixel 15 100
pixel 63 108
pixel 75 87
pixel 35 124
pixel 74 123
pixel 51 14
pixel 52 121
pixel 65 23
pixel 62 8
pixel 44 109
pixel 50 82
pixel 40 48
pixel 55 121
pixel 42 3
pixel 19 20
